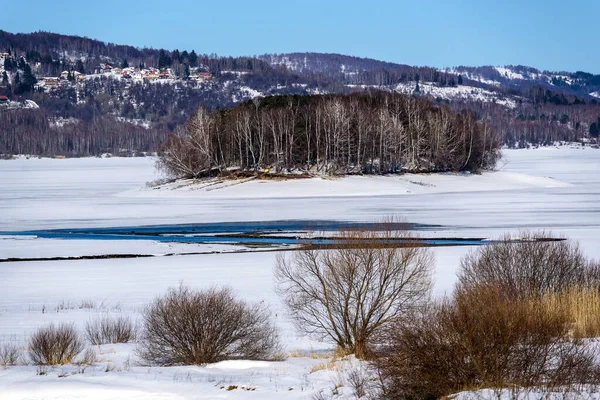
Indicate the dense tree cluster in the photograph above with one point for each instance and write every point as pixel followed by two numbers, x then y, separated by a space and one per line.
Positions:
pixel 374 132
pixel 349 70
pixel 536 124
pixel 30 132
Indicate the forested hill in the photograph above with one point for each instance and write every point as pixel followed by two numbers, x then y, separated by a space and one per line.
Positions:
pixel 73 95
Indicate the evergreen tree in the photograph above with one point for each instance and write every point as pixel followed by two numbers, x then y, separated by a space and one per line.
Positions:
pixel 184 56
pixel 47 59
pixel 8 64
pixel 161 59
pixel 193 59
pixel 417 88
pixel 186 71
pixel 29 79
pixel 70 77
pixel 176 55
pixel 4 78
pixel 460 80
pixel 124 64
pixel 22 63
pixel 79 67
pixel 164 60
pixel 594 130
pixel 16 83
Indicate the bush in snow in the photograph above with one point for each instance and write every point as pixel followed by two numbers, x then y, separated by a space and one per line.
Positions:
pixel 515 321
pixel 485 338
pixel 535 265
pixel 105 329
pixel 55 345
pixel 10 354
pixel 186 327
pixel 529 265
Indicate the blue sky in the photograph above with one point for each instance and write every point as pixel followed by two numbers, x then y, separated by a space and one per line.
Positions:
pixel 551 34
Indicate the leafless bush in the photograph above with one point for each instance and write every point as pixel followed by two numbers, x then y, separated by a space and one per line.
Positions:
pixel 87 304
pixel 55 345
pixel 105 329
pixel 10 354
pixel 88 358
pixel 532 266
pixel 359 381
pixel 484 338
pixel 351 294
pixel 187 326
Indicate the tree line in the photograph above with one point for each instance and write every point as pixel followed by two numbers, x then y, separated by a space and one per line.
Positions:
pixel 31 132
pixel 371 132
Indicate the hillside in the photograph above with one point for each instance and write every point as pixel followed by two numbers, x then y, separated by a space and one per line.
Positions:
pixel 95 97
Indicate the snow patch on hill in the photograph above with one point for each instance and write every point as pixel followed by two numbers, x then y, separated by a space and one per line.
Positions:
pixel 508 73
pixel 27 104
pixel 456 93
pixel 473 77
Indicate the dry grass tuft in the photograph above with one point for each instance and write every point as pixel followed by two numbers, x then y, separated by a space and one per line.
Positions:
pixel 330 365
pixel 582 305
pixel 104 329
pixel 55 345
pixel 10 354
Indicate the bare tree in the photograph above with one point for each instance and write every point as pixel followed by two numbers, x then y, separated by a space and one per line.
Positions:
pixel 187 326
pixel 351 294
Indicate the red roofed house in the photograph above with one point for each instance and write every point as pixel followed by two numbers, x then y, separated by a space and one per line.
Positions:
pixel 3 99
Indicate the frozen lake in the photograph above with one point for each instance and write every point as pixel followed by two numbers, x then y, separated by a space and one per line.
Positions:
pixel 555 189
pixel 552 189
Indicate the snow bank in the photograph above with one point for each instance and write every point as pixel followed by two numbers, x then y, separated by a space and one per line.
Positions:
pixel 351 186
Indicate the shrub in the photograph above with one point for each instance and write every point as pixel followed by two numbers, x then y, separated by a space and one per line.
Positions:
pixel 188 327
pixel 10 354
pixel 55 345
pixel 531 266
pixel 350 295
pixel 484 338
pixel 110 330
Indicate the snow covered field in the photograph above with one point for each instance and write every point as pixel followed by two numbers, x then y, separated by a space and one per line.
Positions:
pixel 556 189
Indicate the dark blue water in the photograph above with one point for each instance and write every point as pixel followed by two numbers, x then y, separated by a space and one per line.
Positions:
pixel 240 233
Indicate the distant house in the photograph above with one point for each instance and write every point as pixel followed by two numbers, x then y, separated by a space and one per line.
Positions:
pixel 150 76
pixel 3 99
pixel 103 69
pixel 205 76
pixel 50 82
pixel 75 74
